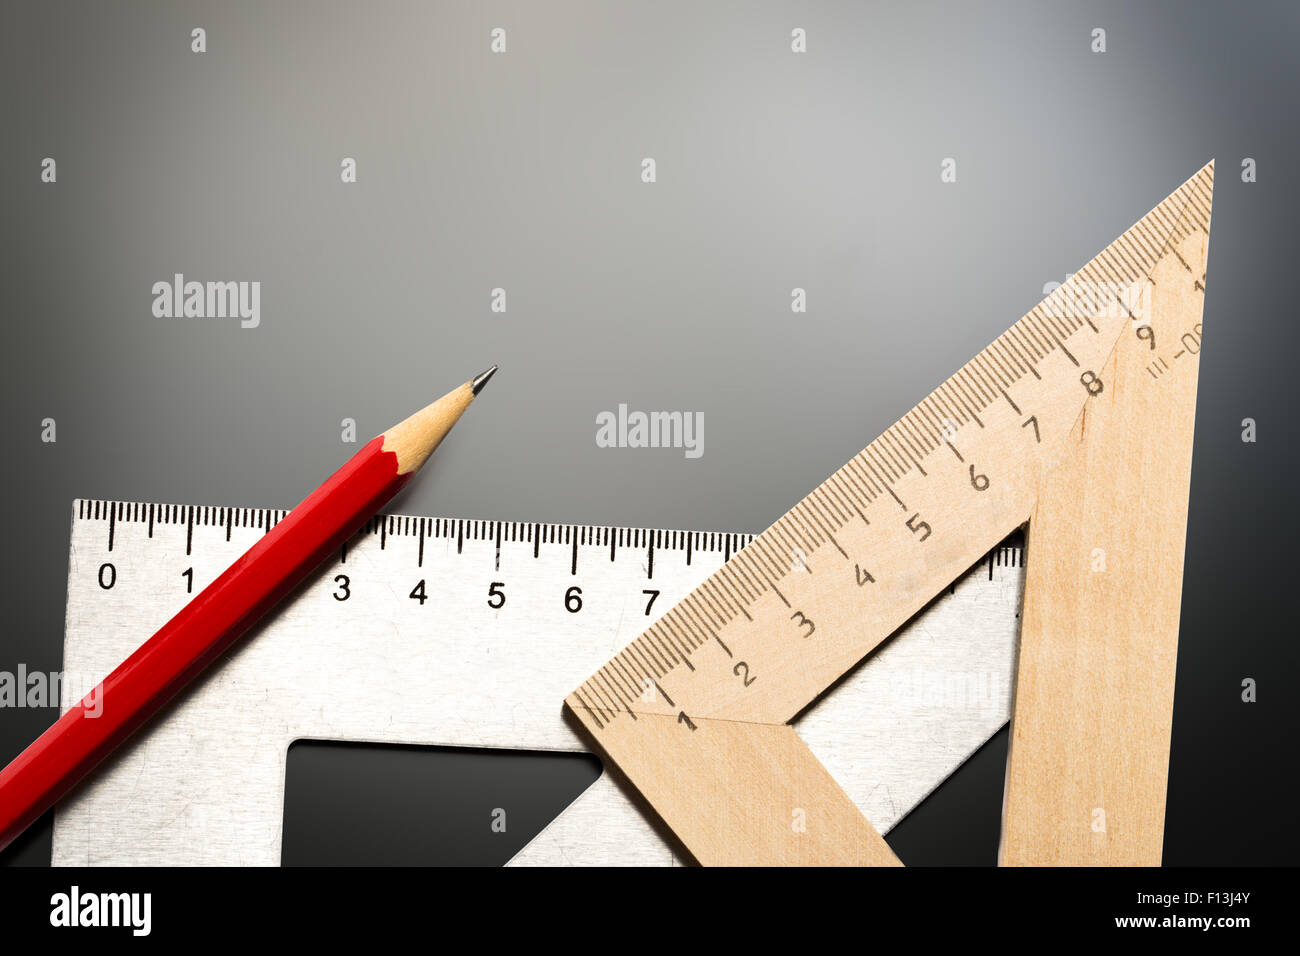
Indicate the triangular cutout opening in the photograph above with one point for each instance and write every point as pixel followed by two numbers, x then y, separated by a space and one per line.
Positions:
pixel 361 804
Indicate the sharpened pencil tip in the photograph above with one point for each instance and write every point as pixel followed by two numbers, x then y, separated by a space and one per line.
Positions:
pixel 481 379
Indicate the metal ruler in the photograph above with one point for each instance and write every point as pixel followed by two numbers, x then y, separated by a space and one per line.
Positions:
pixel 465 633
pixel 1077 419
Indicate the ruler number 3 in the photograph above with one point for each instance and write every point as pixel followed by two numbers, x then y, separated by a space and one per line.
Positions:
pixel 799 618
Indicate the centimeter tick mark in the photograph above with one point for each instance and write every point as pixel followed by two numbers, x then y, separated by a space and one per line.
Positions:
pixel 1062 347
pixel 665 694
pixel 837 546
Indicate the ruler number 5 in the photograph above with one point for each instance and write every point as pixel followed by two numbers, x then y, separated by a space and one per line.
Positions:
pixel 922 527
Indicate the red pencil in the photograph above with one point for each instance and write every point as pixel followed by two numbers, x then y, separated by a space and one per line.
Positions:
pixel 207 626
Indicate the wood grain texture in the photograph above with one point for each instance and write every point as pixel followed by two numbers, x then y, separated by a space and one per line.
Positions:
pixel 414 438
pixel 833 578
pixel 1094 693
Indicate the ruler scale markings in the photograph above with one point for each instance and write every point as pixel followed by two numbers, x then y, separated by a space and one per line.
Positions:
pixel 1053 403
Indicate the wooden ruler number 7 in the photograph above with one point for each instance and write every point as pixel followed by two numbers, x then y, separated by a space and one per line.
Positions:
pixel 1077 419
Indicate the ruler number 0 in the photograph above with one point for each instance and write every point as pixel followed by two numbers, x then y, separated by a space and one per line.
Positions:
pixel 107 576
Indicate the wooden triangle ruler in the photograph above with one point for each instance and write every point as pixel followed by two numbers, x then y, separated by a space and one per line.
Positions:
pixel 1077 420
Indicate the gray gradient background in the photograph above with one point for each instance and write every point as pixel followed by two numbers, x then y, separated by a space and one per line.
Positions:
pixel 522 171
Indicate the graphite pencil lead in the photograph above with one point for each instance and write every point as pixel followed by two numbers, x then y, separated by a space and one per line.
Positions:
pixel 476 384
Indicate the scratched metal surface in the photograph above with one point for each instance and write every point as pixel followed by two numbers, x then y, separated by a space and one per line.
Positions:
pixel 206 784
